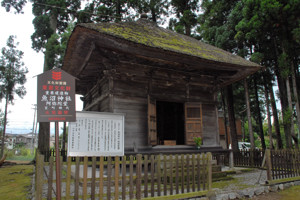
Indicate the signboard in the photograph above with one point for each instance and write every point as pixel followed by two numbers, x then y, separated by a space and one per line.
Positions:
pixel 96 134
pixel 56 96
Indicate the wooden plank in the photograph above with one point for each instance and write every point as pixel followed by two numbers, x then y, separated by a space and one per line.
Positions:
pixel 193 172
pixel 101 177
pixel 93 184
pixel 117 166
pixel 139 176
pixel 68 183
pixel 182 173
pixel 152 175
pixel 124 182
pixel 109 169
pixel 158 172
pixel 188 173
pixel 146 163
pixel 177 174
pixel 165 174
pixel 209 171
pixel 198 172
pixel 39 176
pixel 77 168
pixel 131 177
pixel 152 123
pixel 171 174
pixel 50 178
pixel 85 168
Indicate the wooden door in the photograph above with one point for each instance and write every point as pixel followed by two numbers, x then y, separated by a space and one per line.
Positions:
pixel 193 122
pixel 152 125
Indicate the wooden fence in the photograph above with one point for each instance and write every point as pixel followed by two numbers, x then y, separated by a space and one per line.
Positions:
pixel 248 158
pixel 129 177
pixel 282 164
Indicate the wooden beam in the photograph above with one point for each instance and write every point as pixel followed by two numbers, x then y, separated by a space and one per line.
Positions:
pixel 86 59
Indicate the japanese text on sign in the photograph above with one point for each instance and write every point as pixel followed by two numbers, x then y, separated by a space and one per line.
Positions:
pixel 96 134
pixel 56 96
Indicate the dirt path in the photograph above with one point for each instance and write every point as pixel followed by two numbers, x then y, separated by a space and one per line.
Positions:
pixel 269 196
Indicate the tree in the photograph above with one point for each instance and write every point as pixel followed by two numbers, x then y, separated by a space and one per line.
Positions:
pixel 186 16
pixel 249 114
pixel 157 8
pixel 278 23
pixel 51 18
pixel 231 118
pixel 12 77
pixel 17 5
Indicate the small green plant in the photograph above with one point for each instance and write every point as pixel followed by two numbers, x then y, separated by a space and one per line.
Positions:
pixel 198 141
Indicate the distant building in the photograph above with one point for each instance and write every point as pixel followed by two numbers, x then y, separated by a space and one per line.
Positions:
pixel 13 140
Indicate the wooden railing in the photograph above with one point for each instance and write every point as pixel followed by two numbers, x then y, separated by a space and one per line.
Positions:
pixel 282 164
pixel 129 177
pixel 248 158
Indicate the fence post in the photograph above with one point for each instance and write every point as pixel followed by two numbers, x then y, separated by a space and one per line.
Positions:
pixel 39 176
pixel 138 176
pixel 209 155
pixel 269 164
pixel 231 161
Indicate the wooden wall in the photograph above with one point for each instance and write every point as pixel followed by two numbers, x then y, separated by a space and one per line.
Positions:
pixel 126 88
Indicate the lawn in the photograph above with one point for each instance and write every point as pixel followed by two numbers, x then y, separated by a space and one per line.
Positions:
pixel 15 181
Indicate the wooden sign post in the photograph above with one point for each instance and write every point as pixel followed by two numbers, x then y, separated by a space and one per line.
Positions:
pixel 56 103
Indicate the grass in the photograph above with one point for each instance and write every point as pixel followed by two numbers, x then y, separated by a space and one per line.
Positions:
pixel 291 193
pixel 15 181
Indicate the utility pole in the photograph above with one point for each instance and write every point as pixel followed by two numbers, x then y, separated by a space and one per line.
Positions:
pixel 33 136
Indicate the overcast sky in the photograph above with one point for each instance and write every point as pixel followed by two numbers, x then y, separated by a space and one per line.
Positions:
pixel 20 116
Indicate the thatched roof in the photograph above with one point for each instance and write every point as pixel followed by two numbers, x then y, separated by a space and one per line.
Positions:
pixel 105 44
pixel 149 34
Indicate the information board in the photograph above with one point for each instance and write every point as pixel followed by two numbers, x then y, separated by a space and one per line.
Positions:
pixel 96 134
pixel 56 96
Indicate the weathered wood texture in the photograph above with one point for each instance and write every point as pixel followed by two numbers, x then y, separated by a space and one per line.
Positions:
pixel 283 164
pixel 130 177
pixel 248 158
pixel 125 89
pixel 210 125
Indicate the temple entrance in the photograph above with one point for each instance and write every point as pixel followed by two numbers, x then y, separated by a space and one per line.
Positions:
pixel 170 123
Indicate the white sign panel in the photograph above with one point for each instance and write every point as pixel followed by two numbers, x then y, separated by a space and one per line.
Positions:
pixel 96 134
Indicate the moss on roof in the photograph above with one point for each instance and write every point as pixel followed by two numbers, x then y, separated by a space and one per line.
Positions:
pixel 149 34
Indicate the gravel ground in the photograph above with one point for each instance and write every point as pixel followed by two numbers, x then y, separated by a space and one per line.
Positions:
pixel 252 179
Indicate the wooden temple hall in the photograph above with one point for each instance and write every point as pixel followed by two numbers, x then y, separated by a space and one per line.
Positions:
pixel 165 83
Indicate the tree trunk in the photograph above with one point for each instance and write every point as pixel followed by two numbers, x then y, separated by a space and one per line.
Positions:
pixel 4 125
pixel 295 91
pixel 44 136
pixel 282 92
pixel 225 118
pixel 275 118
pixel 232 125
pixel 118 11
pixel 268 113
pixel 44 127
pixel 289 95
pixel 260 126
pixel 249 114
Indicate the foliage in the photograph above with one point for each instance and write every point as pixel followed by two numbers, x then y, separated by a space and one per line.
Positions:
pixel 198 141
pixel 12 71
pixel 16 4
pixel 186 18
pixel 12 78
pixel 56 47
pixel 51 16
